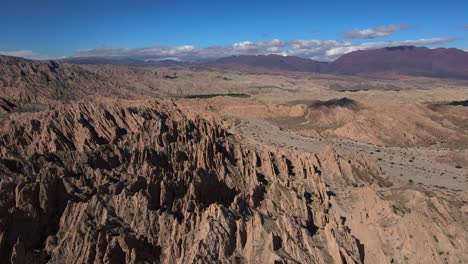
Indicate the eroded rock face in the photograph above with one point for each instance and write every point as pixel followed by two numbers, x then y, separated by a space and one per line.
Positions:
pixel 409 224
pixel 141 181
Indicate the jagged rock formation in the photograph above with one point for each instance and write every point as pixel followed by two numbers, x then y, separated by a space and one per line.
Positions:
pixel 6 106
pixel 412 224
pixel 144 182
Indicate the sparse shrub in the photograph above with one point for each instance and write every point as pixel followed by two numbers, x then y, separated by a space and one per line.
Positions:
pixel 205 96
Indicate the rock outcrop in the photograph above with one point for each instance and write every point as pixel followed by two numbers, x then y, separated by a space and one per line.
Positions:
pixel 141 182
pixel 412 224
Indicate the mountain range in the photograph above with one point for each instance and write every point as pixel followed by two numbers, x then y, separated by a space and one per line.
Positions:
pixel 272 62
pixel 392 61
pixel 404 60
pixel 379 63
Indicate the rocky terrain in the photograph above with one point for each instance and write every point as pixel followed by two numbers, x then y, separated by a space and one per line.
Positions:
pixel 144 182
pixel 112 164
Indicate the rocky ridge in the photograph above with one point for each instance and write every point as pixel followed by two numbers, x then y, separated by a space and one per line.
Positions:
pixel 144 182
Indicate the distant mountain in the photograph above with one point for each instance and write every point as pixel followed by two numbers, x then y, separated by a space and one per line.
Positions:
pixel 403 60
pixel 270 62
pixel 379 63
pixel 392 61
pixel 121 61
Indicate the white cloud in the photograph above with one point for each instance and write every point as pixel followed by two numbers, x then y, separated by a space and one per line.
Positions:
pixel 274 46
pixel 324 50
pixel 375 32
pixel 28 54
pixel 17 53
pixel 242 45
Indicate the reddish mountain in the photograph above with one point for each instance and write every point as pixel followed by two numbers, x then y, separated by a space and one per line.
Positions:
pixel 404 60
pixel 271 62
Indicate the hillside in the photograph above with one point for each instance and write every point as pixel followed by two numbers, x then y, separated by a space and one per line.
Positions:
pixel 271 62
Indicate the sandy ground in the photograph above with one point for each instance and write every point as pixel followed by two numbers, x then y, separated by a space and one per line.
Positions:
pixel 400 164
pixel 436 165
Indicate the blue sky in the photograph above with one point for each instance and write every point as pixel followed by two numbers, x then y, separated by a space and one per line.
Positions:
pixel 43 29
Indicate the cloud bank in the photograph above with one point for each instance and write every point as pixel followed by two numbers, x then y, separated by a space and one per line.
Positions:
pixel 28 54
pixel 323 50
pixel 375 32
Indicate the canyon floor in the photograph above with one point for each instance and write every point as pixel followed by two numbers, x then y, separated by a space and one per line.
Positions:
pixel 117 164
pixel 414 134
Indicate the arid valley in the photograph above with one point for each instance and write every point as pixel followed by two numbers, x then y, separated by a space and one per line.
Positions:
pixel 111 163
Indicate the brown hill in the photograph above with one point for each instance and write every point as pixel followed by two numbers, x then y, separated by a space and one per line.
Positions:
pixel 23 80
pixel 40 81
